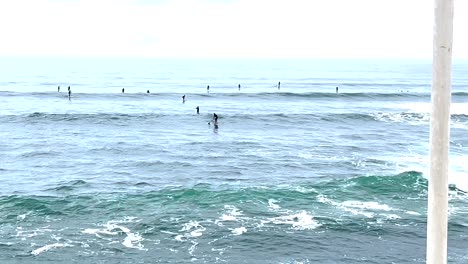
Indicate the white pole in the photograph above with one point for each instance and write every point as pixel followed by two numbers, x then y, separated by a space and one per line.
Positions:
pixel 440 133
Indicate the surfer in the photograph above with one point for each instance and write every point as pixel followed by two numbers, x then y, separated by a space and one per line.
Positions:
pixel 239 87
pixel 69 88
pixel 147 91
pixel 183 98
pixel 208 89
pixel 198 110
pixel 215 119
pixel 69 93
pixel 58 89
pixel 337 89
pixel 123 90
pixel 279 84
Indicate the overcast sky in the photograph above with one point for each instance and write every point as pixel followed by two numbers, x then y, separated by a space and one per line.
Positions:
pixel 225 28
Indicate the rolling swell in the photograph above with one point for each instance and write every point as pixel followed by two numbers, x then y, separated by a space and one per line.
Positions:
pixel 235 94
pixel 403 183
pixel 263 116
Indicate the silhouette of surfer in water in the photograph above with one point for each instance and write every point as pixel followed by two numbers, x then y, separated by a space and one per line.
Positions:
pixel 239 87
pixel 215 119
pixel 198 110
pixel 147 91
pixel 69 93
pixel 208 89
pixel 123 90
pixel 58 89
pixel 183 98
pixel 337 89
pixel 279 85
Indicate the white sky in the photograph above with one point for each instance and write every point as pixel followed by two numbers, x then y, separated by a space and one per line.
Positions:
pixel 225 28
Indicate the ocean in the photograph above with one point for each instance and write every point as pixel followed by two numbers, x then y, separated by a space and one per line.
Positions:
pixel 291 173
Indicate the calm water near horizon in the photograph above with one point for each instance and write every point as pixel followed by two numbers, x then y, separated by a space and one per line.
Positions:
pixel 299 174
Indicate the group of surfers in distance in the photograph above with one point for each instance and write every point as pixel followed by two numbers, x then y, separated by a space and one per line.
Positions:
pixel 215 116
pixel 69 92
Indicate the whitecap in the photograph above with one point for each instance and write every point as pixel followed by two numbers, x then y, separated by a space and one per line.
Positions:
pixel 193 229
pixel 132 240
pixel 239 231
pixel 298 221
pixel 21 217
pixel 412 213
pixel 391 216
pixel 272 205
pixel 231 215
pixel 49 247
pixel 366 205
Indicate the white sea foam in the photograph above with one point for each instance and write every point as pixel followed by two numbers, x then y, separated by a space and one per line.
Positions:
pixel 321 198
pixel 231 215
pixel 299 221
pixel 239 231
pixel 191 229
pixel 21 217
pixel 111 228
pixel 304 190
pixel 192 248
pixel 366 205
pixel 366 209
pixel 412 213
pixel 362 208
pixel 227 217
pixel 49 247
pixel 272 205
pixel 391 216
pixel 25 234
pixel 179 238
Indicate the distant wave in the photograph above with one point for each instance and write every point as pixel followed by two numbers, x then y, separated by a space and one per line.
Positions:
pixel 268 118
pixel 371 96
pixel 227 94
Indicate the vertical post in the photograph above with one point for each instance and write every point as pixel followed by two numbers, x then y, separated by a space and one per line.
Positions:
pixel 440 133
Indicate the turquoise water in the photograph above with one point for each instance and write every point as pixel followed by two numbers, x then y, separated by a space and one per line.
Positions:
pixel 299 174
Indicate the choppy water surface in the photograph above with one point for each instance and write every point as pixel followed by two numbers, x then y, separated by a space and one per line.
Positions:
pixel 299 174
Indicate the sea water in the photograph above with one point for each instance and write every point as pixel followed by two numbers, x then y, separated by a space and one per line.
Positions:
pixel 294 171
